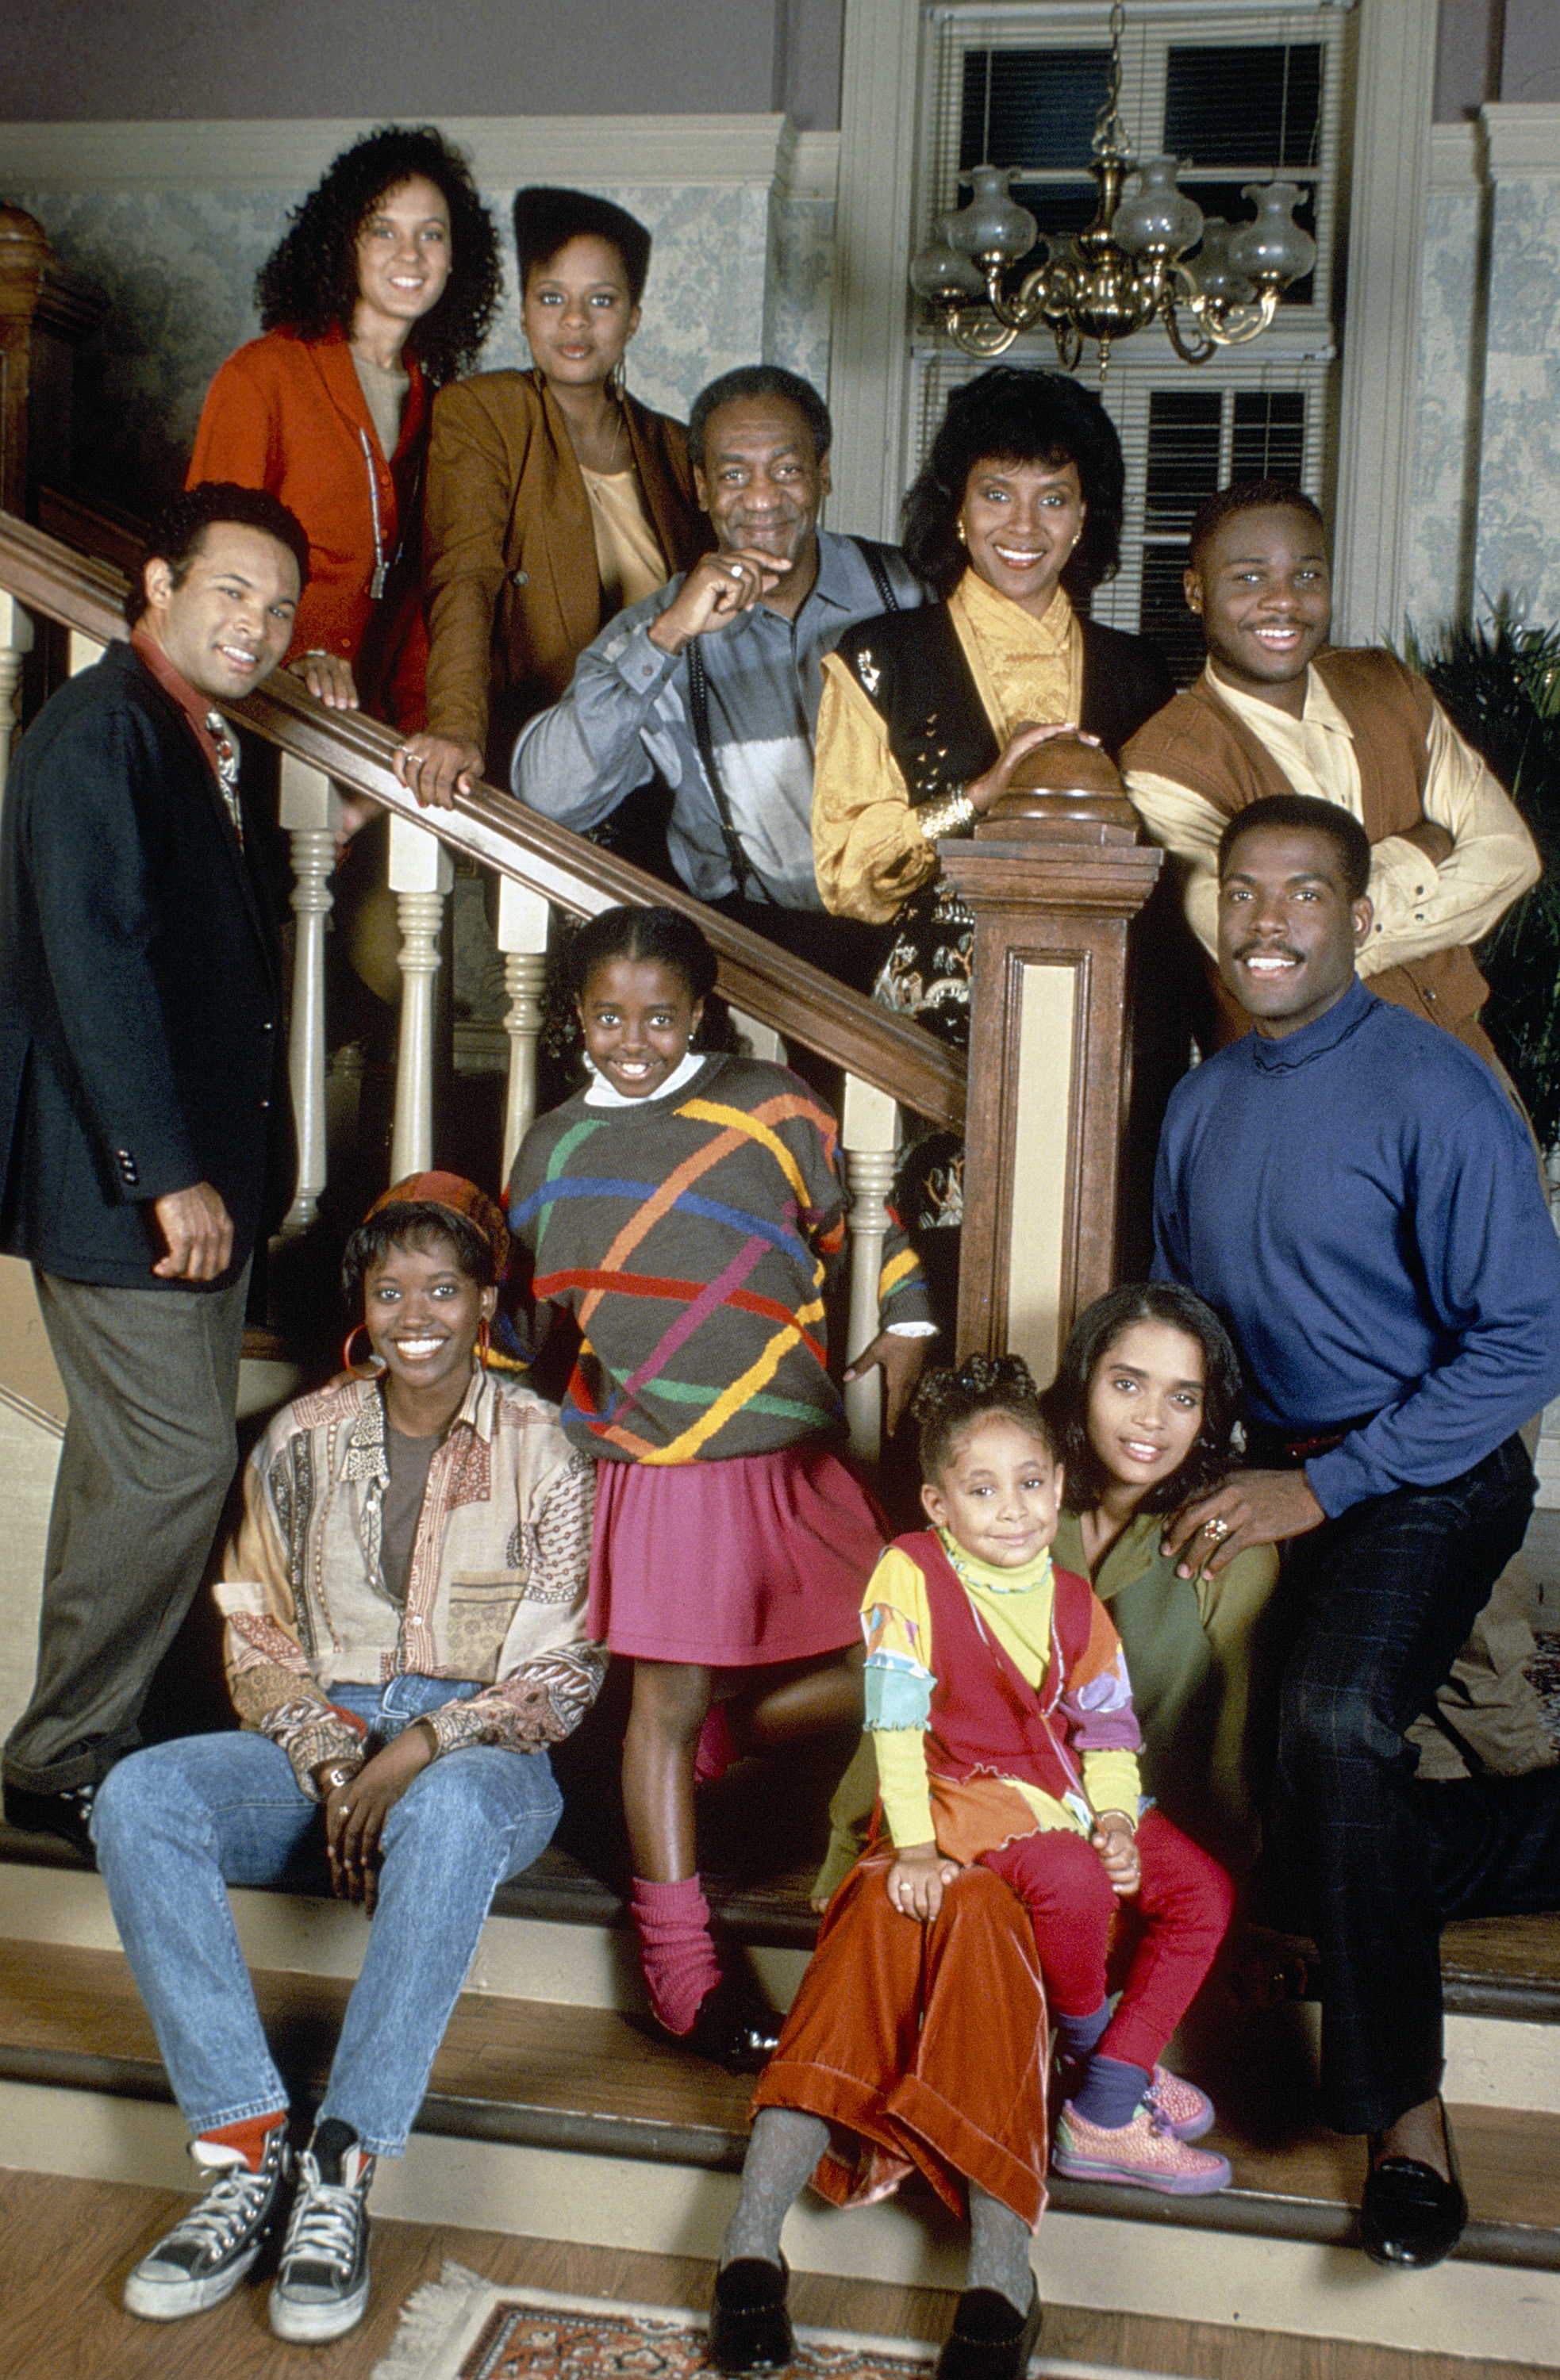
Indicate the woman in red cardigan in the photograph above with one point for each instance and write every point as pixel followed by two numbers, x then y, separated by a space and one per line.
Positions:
pixel 381 289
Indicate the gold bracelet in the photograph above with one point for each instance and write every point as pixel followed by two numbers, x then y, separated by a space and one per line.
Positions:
pixel 951 814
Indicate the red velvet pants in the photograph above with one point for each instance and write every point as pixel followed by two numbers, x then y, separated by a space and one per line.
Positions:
pixel 927 2043
pixel 1161 1943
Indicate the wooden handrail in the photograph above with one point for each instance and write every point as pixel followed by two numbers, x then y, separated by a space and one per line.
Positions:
pixel 755 976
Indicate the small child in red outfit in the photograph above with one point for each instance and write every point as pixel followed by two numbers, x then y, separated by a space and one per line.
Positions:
pixel 999 1710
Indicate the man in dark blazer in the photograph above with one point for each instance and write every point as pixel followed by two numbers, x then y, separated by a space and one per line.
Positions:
pixel 140 1080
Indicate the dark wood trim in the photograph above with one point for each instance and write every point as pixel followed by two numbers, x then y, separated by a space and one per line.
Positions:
pixel 1065 900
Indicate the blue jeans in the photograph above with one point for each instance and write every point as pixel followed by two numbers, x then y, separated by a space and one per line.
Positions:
pixel 179 1823
pixel 1383 1600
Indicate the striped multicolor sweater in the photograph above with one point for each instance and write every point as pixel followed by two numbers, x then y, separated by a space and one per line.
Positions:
pixel 690 1238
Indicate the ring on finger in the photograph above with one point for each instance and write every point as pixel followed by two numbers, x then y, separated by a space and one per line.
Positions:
pixel 1217 1528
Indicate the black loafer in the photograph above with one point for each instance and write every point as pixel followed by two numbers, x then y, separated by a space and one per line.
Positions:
pixel 750 2328
pixel 732 2029
pixel 1409 2216
pixel 989 2340
pixel 66 1815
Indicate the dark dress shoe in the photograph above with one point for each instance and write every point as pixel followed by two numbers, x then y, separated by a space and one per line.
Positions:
pixel 1407 2214
pixel 66 1815
pixel 989 2339
pixel 732 2029
pixel 750 2328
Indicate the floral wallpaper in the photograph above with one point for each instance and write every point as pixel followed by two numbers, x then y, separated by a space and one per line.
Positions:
pixel 737 273
pixel 1487 469
pixel 1518 553
pixel 1441 560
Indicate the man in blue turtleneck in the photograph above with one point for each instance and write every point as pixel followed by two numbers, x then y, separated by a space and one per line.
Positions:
pixel 1354 1193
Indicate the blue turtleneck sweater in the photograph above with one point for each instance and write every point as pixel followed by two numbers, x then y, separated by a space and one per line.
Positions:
pixel 1360 1202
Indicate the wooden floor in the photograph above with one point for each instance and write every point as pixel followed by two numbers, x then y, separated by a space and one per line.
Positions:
pixel 68 2245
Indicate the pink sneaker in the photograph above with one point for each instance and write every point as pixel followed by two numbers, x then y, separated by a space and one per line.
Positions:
pixel 1145 2152
pixel 1186 2111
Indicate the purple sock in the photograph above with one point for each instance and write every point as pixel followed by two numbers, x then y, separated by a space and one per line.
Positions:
pixel 1079 2037
pixel 1110 2092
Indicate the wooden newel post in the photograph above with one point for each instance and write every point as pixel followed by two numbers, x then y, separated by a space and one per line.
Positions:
pixel 1054 890
pixel 45 312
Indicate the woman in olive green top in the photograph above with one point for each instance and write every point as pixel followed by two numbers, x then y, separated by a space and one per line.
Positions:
pixel 1144 1406
pixel 1144 1403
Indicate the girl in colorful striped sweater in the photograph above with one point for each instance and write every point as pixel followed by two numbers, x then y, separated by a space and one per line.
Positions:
pixel 684 1212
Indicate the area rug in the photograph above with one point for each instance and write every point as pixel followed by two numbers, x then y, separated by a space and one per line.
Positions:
pixel 461 2327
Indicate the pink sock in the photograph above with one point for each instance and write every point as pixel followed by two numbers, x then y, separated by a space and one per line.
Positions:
pixel 716 1751
pixel 676 1951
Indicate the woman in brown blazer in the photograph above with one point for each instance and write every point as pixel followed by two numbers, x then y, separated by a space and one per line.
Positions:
pixel 553 497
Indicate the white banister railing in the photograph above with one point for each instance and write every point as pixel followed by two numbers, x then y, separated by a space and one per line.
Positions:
pixel 16 643
pixel 523 919
pixel 537 867
pixel 870 1137
pixel 420 875
pixel 310 817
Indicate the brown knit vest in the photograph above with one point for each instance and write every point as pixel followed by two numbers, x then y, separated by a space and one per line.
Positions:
pixel 1198 741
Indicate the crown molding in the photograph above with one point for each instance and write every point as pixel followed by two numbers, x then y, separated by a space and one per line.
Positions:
pixel 808 165
pixel 1524 141
pixel 1456 156
pixel 704 151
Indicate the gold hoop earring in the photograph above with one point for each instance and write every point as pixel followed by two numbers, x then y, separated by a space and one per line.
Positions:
pixel 369 1371
pixel 958 532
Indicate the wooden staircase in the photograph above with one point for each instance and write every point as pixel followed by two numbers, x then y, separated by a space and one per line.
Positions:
pixel 553 2115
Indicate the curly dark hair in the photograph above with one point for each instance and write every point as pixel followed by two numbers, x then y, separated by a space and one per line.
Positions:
pixel 1095 1332
pixel 950 1397
pixel 178 534
pixel 547 219
pixel 309 284
pixel 1248 496
pixel 414 1223
pixel 1013 416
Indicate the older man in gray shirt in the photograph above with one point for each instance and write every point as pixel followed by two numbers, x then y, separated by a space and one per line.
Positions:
pixel 713 683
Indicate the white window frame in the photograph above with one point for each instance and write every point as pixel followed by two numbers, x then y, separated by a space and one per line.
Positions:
pixel 873 378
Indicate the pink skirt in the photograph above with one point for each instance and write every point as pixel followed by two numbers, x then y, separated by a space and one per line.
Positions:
pixel 759 1559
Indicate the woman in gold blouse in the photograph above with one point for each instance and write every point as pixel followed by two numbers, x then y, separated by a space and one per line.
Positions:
pixel 926 714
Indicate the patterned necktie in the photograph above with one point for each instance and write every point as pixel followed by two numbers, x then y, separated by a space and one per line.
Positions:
pixel 227 768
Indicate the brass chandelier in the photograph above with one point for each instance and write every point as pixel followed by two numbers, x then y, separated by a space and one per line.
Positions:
pixel 1125 270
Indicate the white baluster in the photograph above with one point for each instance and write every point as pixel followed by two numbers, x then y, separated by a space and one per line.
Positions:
pixel 420 877
pixel 309 810
pixel 761 1040
pixel 522 938
pixel 870 1136
pixel 16 643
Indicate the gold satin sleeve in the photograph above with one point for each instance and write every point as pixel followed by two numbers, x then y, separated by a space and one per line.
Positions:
pixel 867 849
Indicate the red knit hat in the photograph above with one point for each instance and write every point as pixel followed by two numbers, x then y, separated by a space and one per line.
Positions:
pixel 457 1197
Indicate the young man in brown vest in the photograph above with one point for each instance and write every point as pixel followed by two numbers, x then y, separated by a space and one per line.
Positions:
pixel 1278 710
